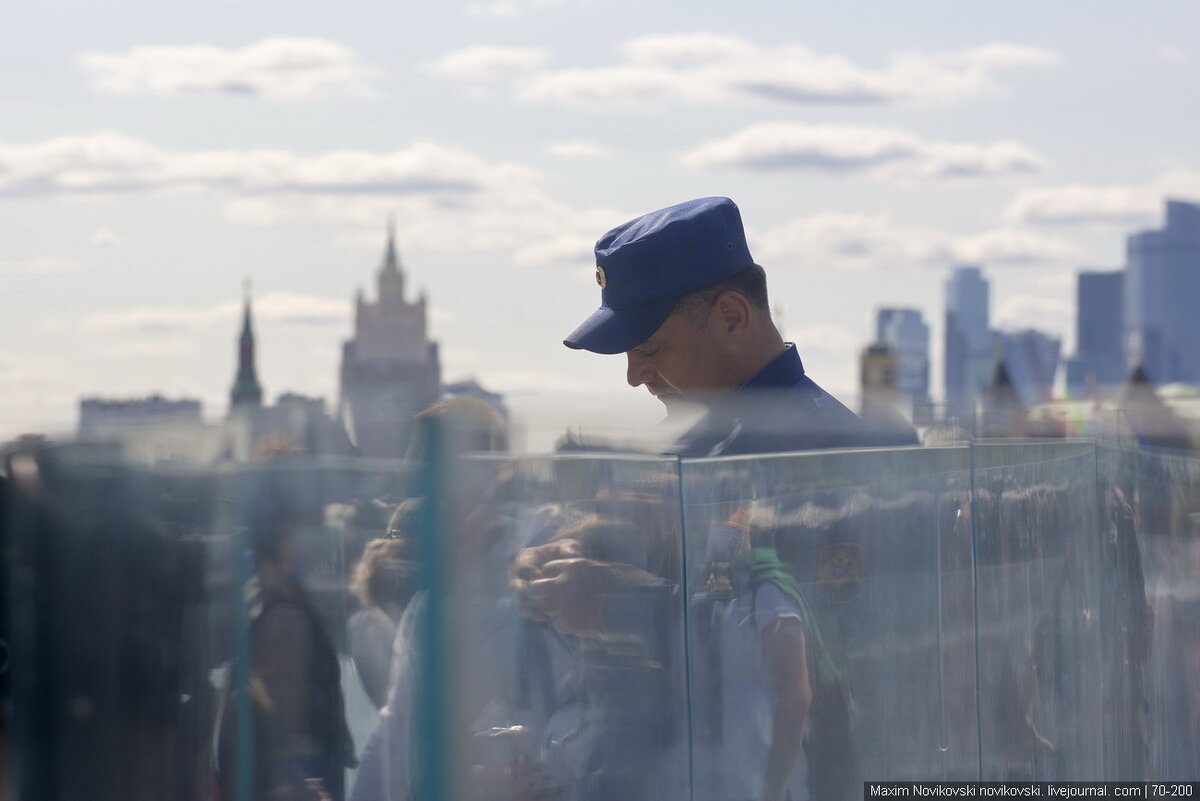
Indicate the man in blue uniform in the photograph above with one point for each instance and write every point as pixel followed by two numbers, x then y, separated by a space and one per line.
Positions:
pixel 682 298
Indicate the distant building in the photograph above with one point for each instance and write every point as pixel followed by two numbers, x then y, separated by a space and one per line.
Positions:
pixel 390 370
pixel 968 347
pixel 152 429
pixel 905 332
pixel 883 408
pixel 878 373
pixel 246 392
pixel 101 417
pixel 1162 285
pixel 1098 367
pixel 1031 361
pixel 295 424
pixel 1000 412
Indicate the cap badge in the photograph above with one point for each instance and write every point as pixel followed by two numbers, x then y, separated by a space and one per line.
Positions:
pixel 601 278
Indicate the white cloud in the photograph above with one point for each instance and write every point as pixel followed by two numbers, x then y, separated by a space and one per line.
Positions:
pixel 1106 205
pixel 154 347
pixel 576 150
pixel 42 265
pixel 565 249
pixel 1043 312
pixel 106 238
pixel 1173 55
pixel 681 50
pixel 111 164
pixel 848 241
pixel 277 67
pixel 707 67
pixel 866 242
pixel 892 152
pixel 274 307
pixel 514 216
pixel 1013 246
pixel 489 62
pixel 1060 283
pixel 1083 204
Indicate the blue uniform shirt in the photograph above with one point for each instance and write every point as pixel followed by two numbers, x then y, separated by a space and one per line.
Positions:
pixel 781 409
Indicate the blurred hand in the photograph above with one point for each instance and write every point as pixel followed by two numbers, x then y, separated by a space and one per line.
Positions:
pixel 569 592
pixel 529 567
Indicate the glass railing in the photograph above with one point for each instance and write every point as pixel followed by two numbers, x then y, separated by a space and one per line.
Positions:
pixel 600 626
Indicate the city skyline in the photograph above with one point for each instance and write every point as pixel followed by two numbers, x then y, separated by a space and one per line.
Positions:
pixel 147 164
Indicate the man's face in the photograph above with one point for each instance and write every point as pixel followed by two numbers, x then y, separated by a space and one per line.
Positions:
pixel 684 360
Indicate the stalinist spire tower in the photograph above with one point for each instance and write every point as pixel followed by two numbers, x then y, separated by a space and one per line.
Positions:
pixel 390 369
pixel 246 392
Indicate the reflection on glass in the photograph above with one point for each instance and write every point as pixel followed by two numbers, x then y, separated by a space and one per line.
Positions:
pixel 612 627
pixel 865 575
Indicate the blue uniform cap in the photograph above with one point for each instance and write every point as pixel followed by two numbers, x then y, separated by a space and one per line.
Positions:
pixel 645 266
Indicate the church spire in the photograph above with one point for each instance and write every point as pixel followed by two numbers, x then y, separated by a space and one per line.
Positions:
pixel 246 392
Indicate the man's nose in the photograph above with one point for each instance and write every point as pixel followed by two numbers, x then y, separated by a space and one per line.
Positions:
pixel 639 371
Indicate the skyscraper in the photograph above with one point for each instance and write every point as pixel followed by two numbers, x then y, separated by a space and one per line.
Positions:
pixel 1099 361
pixel 905 333
pixel 1162 288
pixel 969 354
pixel 390 370
pixel 1031 359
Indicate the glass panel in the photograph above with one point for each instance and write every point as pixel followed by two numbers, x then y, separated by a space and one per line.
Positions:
pixel 184 632
pixel 108 574
pixel 1151 506
pixel 1038 559
pixel 569 682
pixel 829 594
pixel 598 626
pixel 566 637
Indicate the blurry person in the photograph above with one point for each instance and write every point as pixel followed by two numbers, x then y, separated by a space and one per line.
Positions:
pixel 682 298
pixel 387 770
pixel 769 657
pixel 473 426
pixel 621 733
pixel 302 744
pixel 384 582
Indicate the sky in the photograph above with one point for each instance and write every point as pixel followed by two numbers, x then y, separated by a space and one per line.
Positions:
pixel 154 156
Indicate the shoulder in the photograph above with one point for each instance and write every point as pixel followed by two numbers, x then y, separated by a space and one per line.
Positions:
pixel 800 417
pixel 771 604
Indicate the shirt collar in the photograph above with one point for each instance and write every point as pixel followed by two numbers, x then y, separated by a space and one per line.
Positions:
pixel 781 372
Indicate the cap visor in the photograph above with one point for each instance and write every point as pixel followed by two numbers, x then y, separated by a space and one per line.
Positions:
pixel 611 331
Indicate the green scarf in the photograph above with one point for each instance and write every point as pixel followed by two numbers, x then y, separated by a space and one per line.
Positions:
pixel 764 565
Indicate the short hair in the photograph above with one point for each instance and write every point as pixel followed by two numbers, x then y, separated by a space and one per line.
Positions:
pixel 385 574
pixel 750 283
pixel 475 426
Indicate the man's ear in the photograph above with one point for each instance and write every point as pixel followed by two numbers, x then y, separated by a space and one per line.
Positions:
pixel 732 312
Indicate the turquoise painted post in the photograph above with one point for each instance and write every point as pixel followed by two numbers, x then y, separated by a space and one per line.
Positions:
pixel 244 790
pixel 432 698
